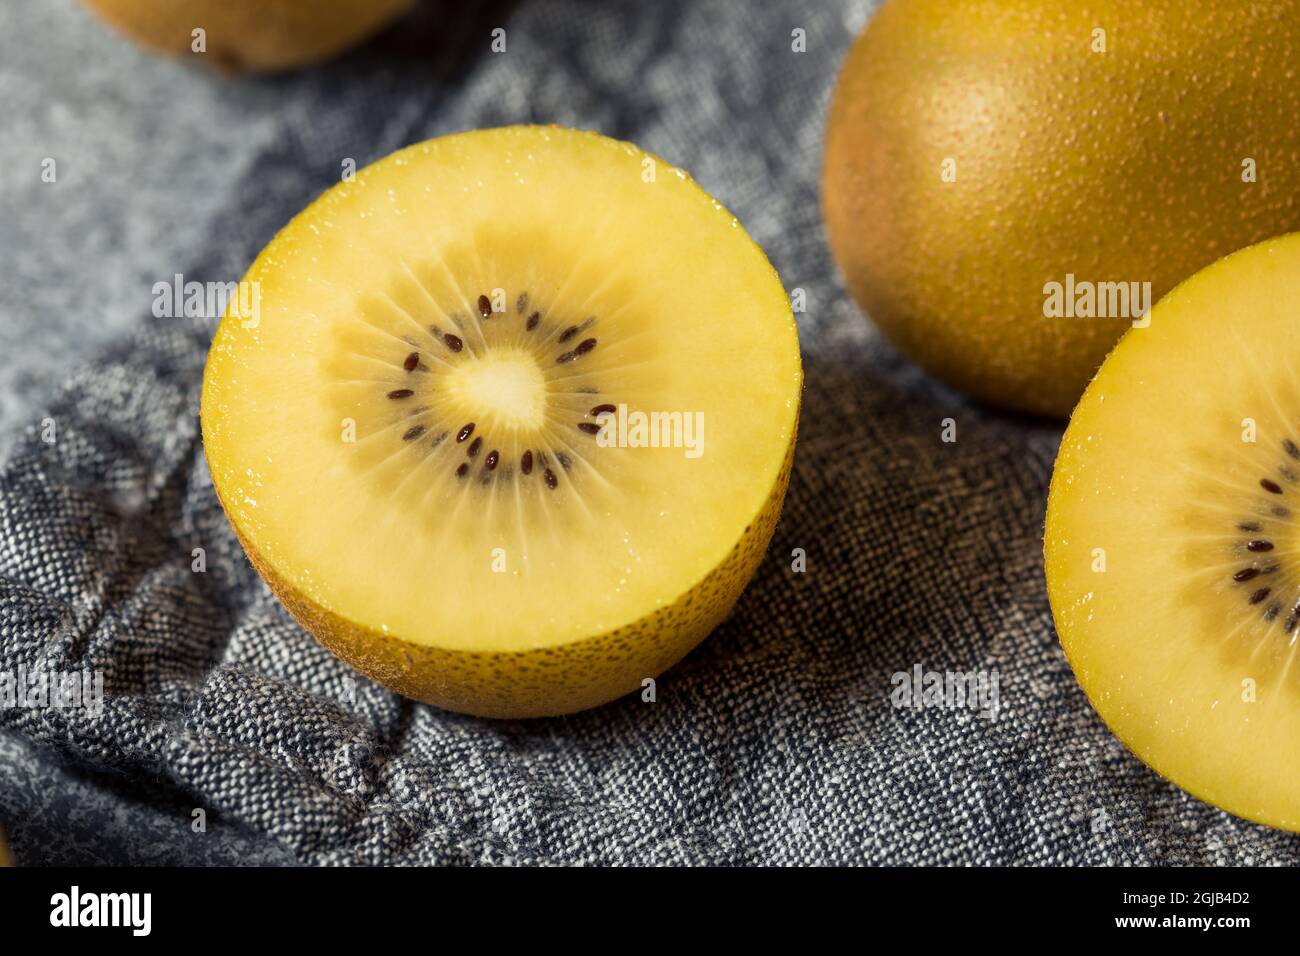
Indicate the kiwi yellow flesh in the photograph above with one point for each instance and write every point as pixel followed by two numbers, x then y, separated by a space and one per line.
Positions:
pixel 427 437
pixel 253 35
pixel 978 151
pixel 1172 540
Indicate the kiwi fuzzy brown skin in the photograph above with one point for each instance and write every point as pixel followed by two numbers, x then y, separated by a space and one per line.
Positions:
pixel 250 35
pixel 1116 166
pixel 551 681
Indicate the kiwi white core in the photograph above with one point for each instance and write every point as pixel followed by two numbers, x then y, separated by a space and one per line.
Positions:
pixel 507 389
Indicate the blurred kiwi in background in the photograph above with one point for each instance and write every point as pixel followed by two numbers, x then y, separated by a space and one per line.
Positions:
pixel 237 36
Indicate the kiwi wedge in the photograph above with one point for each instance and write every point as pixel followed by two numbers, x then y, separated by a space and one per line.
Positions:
pixel 1172 542
pixel 511 425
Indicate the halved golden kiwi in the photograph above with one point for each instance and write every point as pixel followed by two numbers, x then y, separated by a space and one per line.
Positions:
pixel 512 426
pixel 1173 536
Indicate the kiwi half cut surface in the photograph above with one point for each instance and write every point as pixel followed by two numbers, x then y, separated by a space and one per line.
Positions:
pixel 511 425
pixel 1173 536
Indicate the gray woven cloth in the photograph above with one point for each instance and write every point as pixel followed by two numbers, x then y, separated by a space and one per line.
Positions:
pixel 775 742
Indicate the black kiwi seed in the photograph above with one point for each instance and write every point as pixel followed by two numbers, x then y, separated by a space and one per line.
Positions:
pixel 463 470
pixel 1272 487
pixel 453 342
pixel 1250 526
pixel 526 463
pixel 1259 595
pixel 474 447
pixel 591 428
pixel 565 462
pixel 1259 545
pixel 411 362
pixel 603 410
pixel 521 303
pixel 484 306
pixel 399 393
pixel 1272 611
pixel 465 432
pixel 1292 619
pixel 1245 574
pixel 414 432
pixel 566 357
pixel 490 461
pixel 569 333
pixel 586 346
pixel 551 481
pixel 1291 448
pixel 532 321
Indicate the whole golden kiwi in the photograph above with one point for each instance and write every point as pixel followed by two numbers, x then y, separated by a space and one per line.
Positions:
pixel 979 151
pixel 249 35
